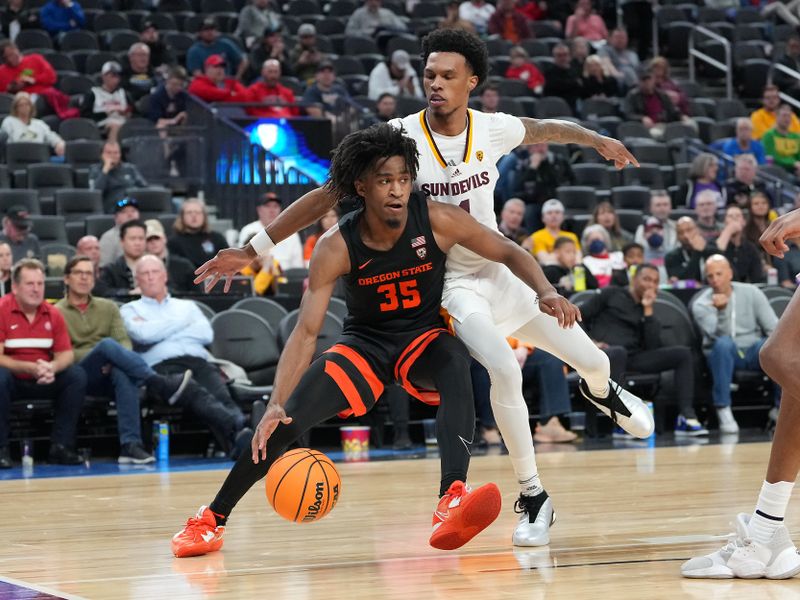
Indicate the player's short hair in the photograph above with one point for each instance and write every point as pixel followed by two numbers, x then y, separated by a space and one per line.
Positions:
pixel 361 151
pixel 562 240
pixel 468 45
pixel 631 246
pixel 25 263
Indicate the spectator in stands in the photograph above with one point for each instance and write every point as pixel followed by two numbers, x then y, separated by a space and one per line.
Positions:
pixel 289 252
pixel 508 23
pixel 651 106
pixel 554 399
pixel 102 349
pixel 566 273
pixel 791 60
pixel 114 177
pixel 276 98
pixel 118 275
pixel 542 242
pixel 511 218
pixel 782 144
pixel 171 336
pixel 685 263
pixel 36 361
pixel 597 83
pixel 586 23
pixel 764 118
pixel 542 171
pixel 254 18
pixel 490 98
pixel 605 214
pixel 209 43
pixel 89 246
pixel 179 270
pixel 324 224
pixel 743 256
pixel 478 13
pixel 372 19
pixel 789 266
pixel 523 69
pixel 580 50
pixel 15 17
pixel 735 319
pixel 705 211
pixel 386 108
pixel 193 238
pixel 126 209
pixel 702 176
pixel 167 105
pixel 138 76
pixel 453 20
pixel 22 126
pixel 788 11
pixel 659 67
pixel 306 55
pixel 562 78
pixel 744 143
pixel 623 324
pixel 331 99
pixel 653 241
pixel 739 189
pixel 273 45
pixel 660 208
pixel 17 234
pixel 624 62
pixel 632 256
pixel 599 258
pixel 759 216
pixel 537 10
pixel 6 262
pixel 59 16
pixel 161 56
pixel 215 86
pixel 394 76
pixel 264 271
pixel 30 73
pixel 108 104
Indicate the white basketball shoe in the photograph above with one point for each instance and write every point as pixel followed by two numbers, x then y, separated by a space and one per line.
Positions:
pixel 536 515
pixel 625 409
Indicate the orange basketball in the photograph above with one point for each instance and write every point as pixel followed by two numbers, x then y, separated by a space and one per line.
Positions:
pixel 303 485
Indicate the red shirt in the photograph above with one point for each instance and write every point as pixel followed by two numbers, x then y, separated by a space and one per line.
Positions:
pixel 527 73
pixel 261 92
pixel 32 65
pixel 27 341
pixel 230 91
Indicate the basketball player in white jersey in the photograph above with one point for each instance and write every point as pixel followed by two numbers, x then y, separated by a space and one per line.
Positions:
pixel 762 546
pixel 459 149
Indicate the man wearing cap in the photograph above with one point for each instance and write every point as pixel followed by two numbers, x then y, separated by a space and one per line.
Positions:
pixel 269 92
pixel 254 18
pixel 138 76
pixel 17 234
pixel 215 86
pixel 160 54
pixel 395 76
pixel 542 242
pixel 108 104
pixel 118 276
pixel 180 272
pixel 209 43
pixel 329 99
pixel 126 210
pixel 114 178
pixel 289 252
pixel 371 19
pixel 305 56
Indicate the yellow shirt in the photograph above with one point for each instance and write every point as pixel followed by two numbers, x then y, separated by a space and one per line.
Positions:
pixel 543 240
pixel 763 121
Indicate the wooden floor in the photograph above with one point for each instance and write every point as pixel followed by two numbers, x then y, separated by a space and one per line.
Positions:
pixel 626 521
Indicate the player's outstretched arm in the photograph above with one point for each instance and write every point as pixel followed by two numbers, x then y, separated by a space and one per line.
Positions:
pixel 452 225
pixel 330 260
pixel 305 211
pixel 567 132
pixel 787 227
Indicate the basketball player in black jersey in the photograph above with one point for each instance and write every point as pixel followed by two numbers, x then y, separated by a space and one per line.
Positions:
pixel 391 254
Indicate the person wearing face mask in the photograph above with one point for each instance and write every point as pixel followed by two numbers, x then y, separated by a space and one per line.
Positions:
pixel 654 248
pixel 193 238
pixel 660 208
pixel 600 261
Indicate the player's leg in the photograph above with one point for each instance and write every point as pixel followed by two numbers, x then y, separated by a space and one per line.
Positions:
pixel 771 552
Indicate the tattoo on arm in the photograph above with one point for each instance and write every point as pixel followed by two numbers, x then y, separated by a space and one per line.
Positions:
pixel 557 131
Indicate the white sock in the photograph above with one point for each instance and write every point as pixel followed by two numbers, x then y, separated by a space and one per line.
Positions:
pixel 770 510
pixel 531 486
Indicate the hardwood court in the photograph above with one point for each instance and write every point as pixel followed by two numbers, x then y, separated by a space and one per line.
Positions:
pixel 627 519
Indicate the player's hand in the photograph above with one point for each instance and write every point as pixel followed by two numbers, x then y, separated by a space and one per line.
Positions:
pixel 612 149
pixel 787 227
pixel 226 263
pixel 559 307
pixel 274 415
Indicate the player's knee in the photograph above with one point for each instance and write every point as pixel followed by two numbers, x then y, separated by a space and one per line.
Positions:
pixel 779 362
pixel 505 372
pixel 593 364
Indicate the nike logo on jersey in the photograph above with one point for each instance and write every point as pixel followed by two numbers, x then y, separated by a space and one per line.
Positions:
pixel 455 188
pixel 364 265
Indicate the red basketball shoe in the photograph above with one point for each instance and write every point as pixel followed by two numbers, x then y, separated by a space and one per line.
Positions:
pixel 463 513
pixel 199 536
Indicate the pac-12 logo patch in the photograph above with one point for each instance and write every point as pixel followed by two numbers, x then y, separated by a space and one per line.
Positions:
pixel 479 155
pixel 422 252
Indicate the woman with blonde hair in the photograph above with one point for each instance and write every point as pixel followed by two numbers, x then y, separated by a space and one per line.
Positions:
pixel 21 126
pixel 702 176
pixel 597 83
pixel 193 238
pixel 604 214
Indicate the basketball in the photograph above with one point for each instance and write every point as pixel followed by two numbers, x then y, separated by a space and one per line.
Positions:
pixel 303 485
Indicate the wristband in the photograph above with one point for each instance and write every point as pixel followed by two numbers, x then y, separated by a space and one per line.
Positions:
pixel 262 243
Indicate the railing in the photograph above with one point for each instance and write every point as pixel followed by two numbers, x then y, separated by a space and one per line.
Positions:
pixel 791 73
pixel 695 54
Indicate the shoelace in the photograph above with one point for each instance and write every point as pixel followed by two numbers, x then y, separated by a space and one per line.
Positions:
pixel 457 489
pixel 734 542
pixel 195 526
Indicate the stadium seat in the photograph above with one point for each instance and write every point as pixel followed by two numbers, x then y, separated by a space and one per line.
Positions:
pixel 97 225
pixel 47 178
pixel 631 196
pixel 550 107
pixel 594 175
pixel 78 40
pixel 647 175
pixel 331 328
pixel 27 198
pixel 76 205
pixel 267 309
pixel 110 20
pixel 33 39
pixel 407 42
pixel 248 341
pixel 49 228
pixel 152 201
pixel 79 129
pixel 576 198
pixel 356 44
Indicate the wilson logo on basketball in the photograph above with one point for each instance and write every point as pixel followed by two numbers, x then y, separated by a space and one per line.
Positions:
pixel 313 509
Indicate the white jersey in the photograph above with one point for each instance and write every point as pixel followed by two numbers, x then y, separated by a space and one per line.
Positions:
pixel 462 170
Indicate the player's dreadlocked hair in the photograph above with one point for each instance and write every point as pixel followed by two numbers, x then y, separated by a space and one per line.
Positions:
pixel 361 151
pixel 461 42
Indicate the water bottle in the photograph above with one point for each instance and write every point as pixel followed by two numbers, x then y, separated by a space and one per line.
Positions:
pixel 579 273
pixel 163 441
pixel 772 276
pixel 27 458
pixel 631 272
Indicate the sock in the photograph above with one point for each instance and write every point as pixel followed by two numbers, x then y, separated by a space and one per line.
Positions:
pixel 770 510
pixel 220 519
pixel 531 486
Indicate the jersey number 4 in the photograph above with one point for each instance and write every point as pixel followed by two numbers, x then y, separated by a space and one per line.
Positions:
pixel 404 292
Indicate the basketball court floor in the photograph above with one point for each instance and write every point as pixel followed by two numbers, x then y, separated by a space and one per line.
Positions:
pixel 627 518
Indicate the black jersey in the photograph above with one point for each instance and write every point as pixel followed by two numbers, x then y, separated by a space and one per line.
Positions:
pixel 395 291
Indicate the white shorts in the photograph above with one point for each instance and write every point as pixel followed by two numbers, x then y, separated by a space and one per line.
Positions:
pixel 494 291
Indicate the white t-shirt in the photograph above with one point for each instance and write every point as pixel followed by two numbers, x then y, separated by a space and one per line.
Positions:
pixel 288 253
pixel 477 15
